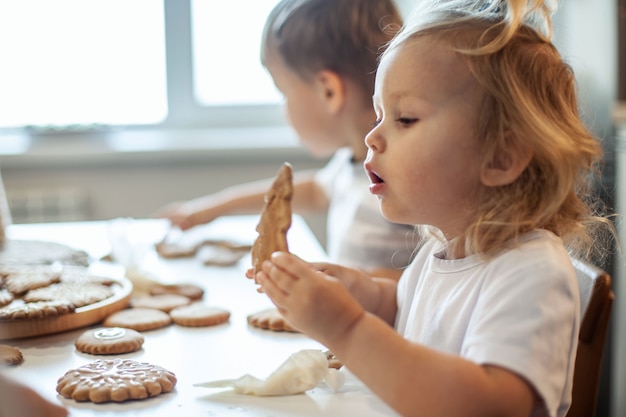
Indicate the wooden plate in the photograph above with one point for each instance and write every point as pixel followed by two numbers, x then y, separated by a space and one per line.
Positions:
pixel 82 317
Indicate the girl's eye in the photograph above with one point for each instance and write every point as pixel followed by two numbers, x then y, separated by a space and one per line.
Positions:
pixel 376 122
pixel 407 120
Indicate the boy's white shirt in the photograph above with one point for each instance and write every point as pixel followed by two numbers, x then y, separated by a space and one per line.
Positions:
pixel 519 310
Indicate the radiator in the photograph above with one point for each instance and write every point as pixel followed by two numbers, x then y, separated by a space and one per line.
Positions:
pixel 39 205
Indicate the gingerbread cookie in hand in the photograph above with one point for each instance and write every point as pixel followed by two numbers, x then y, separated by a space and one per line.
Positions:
pixel 275 218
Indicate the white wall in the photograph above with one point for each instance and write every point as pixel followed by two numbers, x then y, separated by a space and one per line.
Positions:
pixel 586 34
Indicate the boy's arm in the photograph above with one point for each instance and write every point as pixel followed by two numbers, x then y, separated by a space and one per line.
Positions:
pixel 245 198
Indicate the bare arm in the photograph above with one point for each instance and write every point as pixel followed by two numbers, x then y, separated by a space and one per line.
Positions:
pixel 246 198
pixel 411 378
pixel 21 401
pixel 440 384
pixel 377 295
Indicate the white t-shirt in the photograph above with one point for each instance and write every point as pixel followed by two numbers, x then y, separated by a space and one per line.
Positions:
pixel 519 310
pixel 357 234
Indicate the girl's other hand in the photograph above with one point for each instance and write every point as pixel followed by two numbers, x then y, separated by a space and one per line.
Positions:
pixel 317 304
pixel 250 275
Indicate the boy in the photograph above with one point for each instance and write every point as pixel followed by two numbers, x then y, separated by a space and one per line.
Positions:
pixel 322 56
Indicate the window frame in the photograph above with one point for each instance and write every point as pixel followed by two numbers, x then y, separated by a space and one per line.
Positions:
pixel 183 109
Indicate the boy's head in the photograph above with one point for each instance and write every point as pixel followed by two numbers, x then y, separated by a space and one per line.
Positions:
pixel 343 36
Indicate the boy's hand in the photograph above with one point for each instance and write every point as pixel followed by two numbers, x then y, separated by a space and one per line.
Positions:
pixel 177 214
pixel 314 302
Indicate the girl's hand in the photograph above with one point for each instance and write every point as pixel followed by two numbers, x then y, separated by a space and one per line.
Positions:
pixel 250 275
pixel 315 303
pixel 349 277
pixel 376 294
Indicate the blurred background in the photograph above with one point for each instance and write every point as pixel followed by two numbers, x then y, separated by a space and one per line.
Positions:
pixel 113 108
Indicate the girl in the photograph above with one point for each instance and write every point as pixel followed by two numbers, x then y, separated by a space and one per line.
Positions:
pixel 478 139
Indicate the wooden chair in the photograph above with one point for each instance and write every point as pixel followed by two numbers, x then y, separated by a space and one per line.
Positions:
pixel 596 298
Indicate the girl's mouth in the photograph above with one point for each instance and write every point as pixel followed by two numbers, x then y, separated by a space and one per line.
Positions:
pixel 374 178
pixel 376 182
pixel 373 175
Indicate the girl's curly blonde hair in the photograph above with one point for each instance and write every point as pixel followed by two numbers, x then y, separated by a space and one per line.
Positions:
pixel 529 103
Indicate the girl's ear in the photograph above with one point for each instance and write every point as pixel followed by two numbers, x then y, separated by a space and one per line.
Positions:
pixel 505 165
pixel 331 89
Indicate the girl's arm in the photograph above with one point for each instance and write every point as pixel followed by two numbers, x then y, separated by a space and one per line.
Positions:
pixel 419 381
pixel 411 378
pixel 377 294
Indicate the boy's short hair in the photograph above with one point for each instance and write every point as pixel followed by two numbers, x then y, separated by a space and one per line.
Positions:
pixel 344 36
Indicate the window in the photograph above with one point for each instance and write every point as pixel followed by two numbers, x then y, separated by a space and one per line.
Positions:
pixel 226 68
pixel 170 63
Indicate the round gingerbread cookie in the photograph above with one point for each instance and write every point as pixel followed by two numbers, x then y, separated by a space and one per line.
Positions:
pixel 191 291
pixel 271 319
pixel 199 315
pixel 163 302
pixel 10 355
pixel 115 380
pixel 109 341
pixel 139 319
pixel 177 249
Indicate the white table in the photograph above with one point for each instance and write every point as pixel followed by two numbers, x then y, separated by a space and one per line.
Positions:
pixel 193 354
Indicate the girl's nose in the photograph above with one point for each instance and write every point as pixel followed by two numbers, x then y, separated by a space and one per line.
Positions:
pixel 373 140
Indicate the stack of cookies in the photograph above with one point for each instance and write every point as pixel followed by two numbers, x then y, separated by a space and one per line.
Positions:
pixel 39 291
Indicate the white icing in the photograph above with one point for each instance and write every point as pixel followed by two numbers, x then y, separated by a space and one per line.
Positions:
pixel 109 333
pixel 302 371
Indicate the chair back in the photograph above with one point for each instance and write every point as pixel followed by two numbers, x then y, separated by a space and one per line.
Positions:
pixel 596 299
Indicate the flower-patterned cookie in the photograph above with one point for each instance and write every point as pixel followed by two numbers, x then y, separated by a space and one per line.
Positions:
pixel 115 380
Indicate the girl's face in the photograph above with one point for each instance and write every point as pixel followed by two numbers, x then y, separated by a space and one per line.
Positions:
pixel 304 108
pixel 423 157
